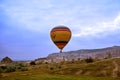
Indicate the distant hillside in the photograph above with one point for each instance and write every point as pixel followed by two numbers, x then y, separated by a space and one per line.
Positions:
pixel 113 52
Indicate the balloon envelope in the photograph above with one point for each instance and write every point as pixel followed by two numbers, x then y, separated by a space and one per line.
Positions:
pixel 60 35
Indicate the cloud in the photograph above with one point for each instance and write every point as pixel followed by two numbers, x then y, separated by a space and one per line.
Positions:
pixel 27 14
pixel 99 29
pixel 37 15
pixel 42 15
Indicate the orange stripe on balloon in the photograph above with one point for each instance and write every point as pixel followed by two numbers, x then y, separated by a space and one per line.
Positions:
pixel 60 30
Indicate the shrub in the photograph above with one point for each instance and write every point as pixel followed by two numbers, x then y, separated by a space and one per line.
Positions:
pixel 18 66
pixel 89 60
pixel 59 67
pixel 3 67
pixel 51 68
pixel 78 59
pixel 10 69
pixel 32 63
pixel 23 69
pixel 1 70
pixel 46 62
pixel 73 61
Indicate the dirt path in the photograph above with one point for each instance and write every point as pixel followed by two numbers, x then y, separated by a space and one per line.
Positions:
pixel 114 74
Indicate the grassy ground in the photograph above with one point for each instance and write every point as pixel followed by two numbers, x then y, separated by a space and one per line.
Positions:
pixel 102 68
pixel 98 70
pixel 52 77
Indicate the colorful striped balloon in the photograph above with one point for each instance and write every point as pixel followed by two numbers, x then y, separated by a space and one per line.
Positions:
pixel 60 35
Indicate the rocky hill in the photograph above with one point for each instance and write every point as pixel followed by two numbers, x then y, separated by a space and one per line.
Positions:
pixel 6 60
pixel 113 52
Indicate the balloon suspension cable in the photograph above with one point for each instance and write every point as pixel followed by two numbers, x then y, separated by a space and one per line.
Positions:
pixel 60 50
pixel 61 55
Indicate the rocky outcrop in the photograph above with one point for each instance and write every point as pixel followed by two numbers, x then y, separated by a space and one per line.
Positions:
pixel 109 52
pixel 6 60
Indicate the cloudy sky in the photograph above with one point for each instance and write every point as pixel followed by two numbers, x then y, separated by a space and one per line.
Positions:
pixel 25 25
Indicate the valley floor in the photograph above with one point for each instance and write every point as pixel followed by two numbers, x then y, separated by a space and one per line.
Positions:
pixel 106 69
pixel 27 76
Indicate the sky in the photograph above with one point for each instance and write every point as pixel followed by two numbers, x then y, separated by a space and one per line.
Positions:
pixel 25 26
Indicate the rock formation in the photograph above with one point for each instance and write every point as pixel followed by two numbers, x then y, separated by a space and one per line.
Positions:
pixel 6 60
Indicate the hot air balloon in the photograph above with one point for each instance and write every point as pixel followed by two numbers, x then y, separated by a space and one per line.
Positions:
pixel 60 35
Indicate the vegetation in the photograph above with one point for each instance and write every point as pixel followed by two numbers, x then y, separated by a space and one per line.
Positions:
pixel 89 60
pixel 32 63
pixel 74 70
pixel 12 68
pixel 54 77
